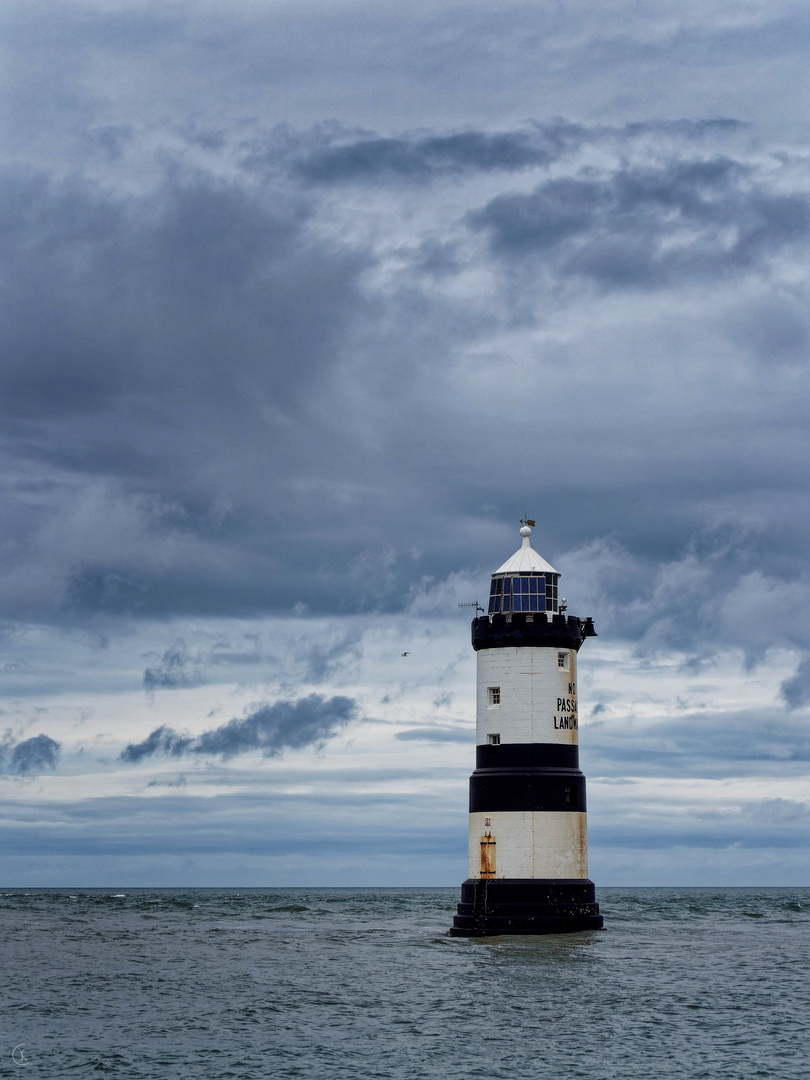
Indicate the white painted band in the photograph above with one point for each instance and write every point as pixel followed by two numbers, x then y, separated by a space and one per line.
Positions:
pixel 529 844
pixel 536 697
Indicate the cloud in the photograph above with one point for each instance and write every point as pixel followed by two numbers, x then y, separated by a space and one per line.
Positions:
pixel 321 661
pixel 329 154
pixel 285 725
pixel 31 756
pixel 714 596
pixel 177 667
pixel 296 361
pixel 795 691
pixel 257 361
pixel 710 742
pixel 421 158
pixel 649 226
pixel 437 734
pixel 228 301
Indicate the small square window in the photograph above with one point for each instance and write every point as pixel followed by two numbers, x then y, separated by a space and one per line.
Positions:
pixel 562 661
pixel 493 695
pixel 494 740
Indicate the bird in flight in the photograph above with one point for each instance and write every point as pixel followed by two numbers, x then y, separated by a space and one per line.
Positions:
pixel 406 654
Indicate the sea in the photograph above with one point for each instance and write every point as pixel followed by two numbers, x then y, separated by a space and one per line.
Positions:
pixel 353 984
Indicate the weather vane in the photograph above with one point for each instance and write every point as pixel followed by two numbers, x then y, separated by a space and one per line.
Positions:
pixel 527 521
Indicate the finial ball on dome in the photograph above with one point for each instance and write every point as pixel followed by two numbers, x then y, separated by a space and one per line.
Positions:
pixel 525 531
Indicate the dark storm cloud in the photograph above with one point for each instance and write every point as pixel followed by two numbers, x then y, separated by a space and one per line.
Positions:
pixel 215 408
pixel 158 294
pixel 418 158
pixel 726 589
pixel 423 158
pixel 649 226
pixel 285 725
pixel 31 756
pixel 177 667
pixel 144 336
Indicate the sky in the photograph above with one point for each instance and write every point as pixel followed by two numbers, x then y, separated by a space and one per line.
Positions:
pixel 305 305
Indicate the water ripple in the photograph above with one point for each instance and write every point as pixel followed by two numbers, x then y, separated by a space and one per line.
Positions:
pixel 332 984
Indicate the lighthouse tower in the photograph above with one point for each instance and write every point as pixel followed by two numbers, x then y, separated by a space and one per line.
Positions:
pixel 528 869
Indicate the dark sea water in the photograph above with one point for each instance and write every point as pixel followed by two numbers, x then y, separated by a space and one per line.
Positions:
pixel 364 983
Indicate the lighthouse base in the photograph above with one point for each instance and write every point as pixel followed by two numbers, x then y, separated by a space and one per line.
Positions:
pixel 526 906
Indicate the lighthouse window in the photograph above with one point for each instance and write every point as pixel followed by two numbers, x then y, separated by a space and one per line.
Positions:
pixel 562 660
pixel 493 695
pixel 551 594
pixel 529 592
pixel 497 589
pixel 494 740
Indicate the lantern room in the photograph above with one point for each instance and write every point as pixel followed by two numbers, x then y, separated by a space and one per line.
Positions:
pixel 526 582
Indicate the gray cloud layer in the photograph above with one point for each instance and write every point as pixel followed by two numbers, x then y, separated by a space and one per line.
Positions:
pixel 196 374
pixel 285 725
pixel 302 313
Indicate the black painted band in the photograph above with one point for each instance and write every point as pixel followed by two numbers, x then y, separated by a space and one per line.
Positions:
pixel 526 906
pixel 527 756
pixel 530 890
pixel 494 790
pixel 562 632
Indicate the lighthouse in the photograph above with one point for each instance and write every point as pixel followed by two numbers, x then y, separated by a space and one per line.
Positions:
pixel 528 847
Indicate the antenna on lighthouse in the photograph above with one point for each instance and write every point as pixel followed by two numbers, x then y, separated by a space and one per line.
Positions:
pixel 475 604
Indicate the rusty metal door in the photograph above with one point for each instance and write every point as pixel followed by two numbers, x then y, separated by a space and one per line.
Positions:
pixel 487 856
